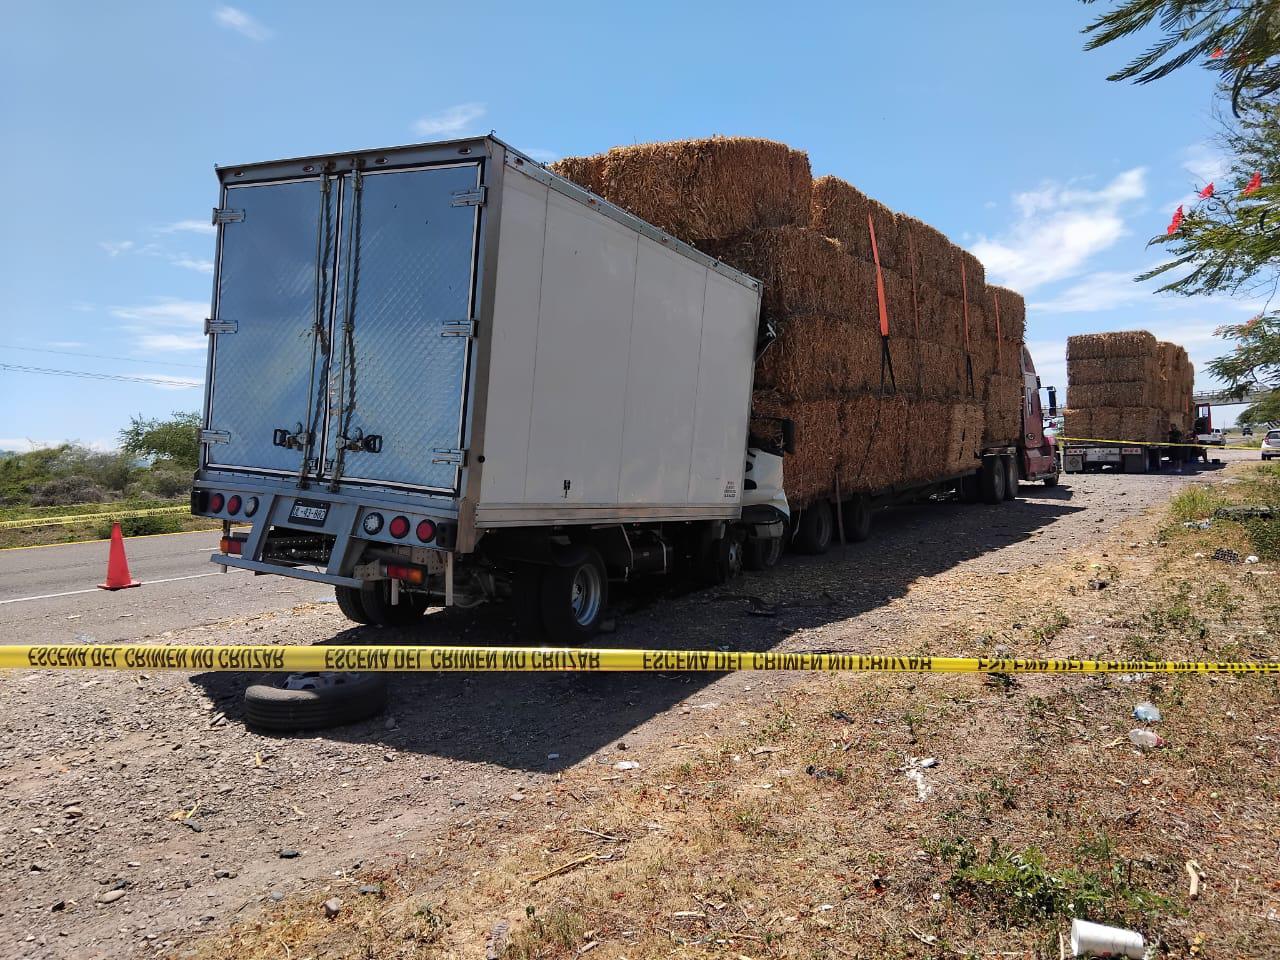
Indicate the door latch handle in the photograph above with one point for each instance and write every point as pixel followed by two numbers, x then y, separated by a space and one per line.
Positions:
pixel 361 442
pixel 298 439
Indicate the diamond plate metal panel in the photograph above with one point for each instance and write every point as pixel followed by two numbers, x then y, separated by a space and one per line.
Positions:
pixel 267 280
pixel 411 274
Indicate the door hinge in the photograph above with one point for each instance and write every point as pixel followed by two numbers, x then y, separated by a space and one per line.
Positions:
pixel 227 215
pixel 458 328
pixel 448 455
pixel 220 326
pixel 215 436
pixel 469 198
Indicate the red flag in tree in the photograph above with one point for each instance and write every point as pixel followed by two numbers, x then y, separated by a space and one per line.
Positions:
pixel 1207 191
pixel 1254 183
pixel 1176 222
pixel 1217 52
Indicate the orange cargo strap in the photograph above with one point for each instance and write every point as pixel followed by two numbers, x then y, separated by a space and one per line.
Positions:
pixel 875 255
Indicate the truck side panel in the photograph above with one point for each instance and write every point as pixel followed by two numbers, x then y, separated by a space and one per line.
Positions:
pixel 620 370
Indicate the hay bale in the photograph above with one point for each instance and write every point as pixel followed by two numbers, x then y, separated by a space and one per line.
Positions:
pixel 937 260
pixel 874 430
pixel 1145 424
pixel 703 189
pixel 1081 372
pixel 926 445
pixel 942 371
pixel 1013 312
pixel 964 437
pixel 1098 346
pixel 1121 393
pixel 816 357
pixel 1106 423
pixel 840 210
pixel 1003 410
pixel 810 472
pixel 1077 423
pixel 804 273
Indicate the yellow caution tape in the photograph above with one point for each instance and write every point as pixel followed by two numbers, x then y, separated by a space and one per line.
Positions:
pixel 85 517
pixel 1130 443
pixel 385 659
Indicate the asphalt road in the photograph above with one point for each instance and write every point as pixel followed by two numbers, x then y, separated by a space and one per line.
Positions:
pixel 50 595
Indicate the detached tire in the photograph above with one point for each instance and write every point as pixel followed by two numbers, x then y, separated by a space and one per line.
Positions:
pixel 992 480
pixel 574 595
pixel 375 596
pixel 314 701
pixel 814 529
pixel 1010 478
pixel 351 604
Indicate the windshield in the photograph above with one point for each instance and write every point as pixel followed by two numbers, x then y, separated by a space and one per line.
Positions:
pixel 1273 434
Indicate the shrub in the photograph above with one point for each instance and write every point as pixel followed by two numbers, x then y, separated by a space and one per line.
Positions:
pixel 67 490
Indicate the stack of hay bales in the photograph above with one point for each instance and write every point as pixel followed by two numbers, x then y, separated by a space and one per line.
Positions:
pixel 860 427
pixel 1127 386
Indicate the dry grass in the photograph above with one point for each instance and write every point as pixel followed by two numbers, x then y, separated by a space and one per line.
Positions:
pixel 1106 346
pixel 799 834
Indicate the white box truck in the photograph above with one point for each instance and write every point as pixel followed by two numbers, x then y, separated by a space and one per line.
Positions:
pixel 442 374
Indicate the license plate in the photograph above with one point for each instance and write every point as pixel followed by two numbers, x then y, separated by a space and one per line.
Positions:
pixel 311 512
pixel 1131 451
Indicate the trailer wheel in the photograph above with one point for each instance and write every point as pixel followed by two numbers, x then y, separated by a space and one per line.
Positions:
pixel 722 559
pixel 351 604
pixel 1051 481
pixel 814 529
pixel 857 519
pixel 762 554
pixel 992 479
pixel 526 602
pixel 313 701
pixel 1010 478
pixel 574 595
pixel 375 596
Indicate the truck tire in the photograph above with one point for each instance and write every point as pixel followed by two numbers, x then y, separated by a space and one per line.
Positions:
pixel 375 596
pixel 574 593
pixel 314 701
pixel 762 554
pixel 721 560
pixel 857 519
pixel 814 529
pixel 1051 481
pixel 1155 462
pixel 1010 478
pixel 351 604
pixel 992 479
pixel 526 602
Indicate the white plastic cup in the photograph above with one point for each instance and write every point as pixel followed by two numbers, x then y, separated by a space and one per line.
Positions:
pixel 1096 940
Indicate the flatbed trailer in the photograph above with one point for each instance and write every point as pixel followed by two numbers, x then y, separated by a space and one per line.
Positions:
pixel 1127 457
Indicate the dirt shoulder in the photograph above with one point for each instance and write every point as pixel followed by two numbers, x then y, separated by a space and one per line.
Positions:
pixel 452 805
pixel 886 816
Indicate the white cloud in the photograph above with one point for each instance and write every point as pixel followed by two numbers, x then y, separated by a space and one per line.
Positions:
pixel 192 263
pixel 187 226
pixel 115 249
pixel 451 121
pixel 544 156
pixel 1058 229
pixel 1104 290
pixel 65 344
pixel 163 342
pixel 1206 164
pixel 236 19
pixel 165 312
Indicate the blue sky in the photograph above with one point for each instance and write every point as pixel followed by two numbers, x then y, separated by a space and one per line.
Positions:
pixel 985 119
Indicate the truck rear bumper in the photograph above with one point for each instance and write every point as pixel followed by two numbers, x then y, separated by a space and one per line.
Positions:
pixel 257 566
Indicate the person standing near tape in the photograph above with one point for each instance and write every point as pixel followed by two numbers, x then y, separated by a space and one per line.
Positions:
pixel 1177 453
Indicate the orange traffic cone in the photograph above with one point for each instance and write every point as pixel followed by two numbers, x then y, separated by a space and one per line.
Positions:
pixel 117 566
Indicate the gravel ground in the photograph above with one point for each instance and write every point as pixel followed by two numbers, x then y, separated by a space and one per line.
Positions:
pixel 137 811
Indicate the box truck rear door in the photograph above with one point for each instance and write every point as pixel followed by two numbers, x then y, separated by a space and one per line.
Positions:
pixel 276 260
pixel 405 297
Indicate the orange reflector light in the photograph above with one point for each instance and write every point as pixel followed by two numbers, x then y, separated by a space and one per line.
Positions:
pixel 231 545
pixel 414 575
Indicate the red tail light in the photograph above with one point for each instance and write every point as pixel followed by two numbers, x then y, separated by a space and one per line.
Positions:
pixel 233 505
pixel 399 527
pixel 216 500
pixel 414 575
pixel 426 530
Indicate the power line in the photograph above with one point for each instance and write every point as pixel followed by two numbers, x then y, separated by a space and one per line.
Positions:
pixel 100 356
pixel 85 374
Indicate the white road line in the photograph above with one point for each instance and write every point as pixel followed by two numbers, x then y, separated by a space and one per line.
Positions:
pixel 72 593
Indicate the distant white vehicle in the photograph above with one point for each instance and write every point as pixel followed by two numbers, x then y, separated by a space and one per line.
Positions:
pixel 1271 445
pixel 1214 438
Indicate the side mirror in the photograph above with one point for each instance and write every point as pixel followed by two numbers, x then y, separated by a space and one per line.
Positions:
pixel 1053 400
pixel 1038 384
pixel 788 435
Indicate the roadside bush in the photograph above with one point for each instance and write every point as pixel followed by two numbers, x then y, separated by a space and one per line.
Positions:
pixel 1195 503
pixel 167 483
pixel 143 526
pixel 68 490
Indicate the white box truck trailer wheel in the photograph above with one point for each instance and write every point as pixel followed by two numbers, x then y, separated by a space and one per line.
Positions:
pixel 441 373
